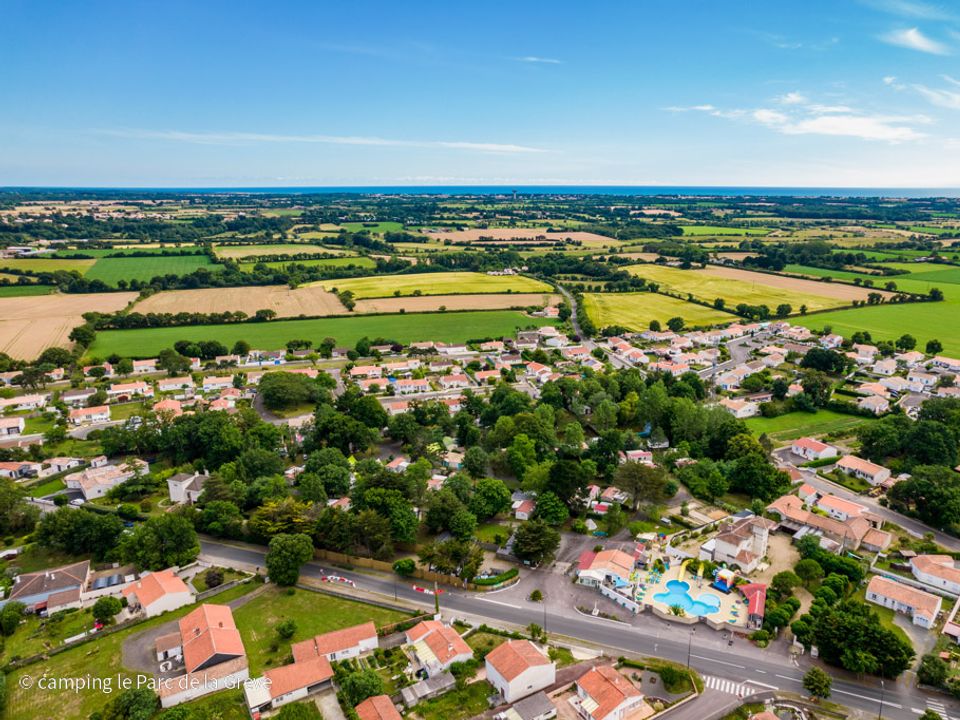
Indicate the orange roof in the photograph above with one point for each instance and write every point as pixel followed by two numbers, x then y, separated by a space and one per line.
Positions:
pixel 154 586
pixel 941 566
pixel 514 657
pixel 841 505
pixel 607 688
pixel 332 642
pixel 922 603
pixel 852 462
pixel 297 675
pixel 207 632
pixel 422 629
pixel 378 707
pixel 444 642
pixel 810 444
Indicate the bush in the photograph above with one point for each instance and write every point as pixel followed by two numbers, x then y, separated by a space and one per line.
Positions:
pixel 405 567
pixel 536 596
pixel 213 577
pixel 128 511
pixel 287 628
pixel 105 608
pixel 497 579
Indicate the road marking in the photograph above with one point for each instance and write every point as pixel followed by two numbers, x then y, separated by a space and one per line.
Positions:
pixel 757 682
pixel 495 602
pixel 761 671
pixel 788 678
pixel 719 662
pixel 873 699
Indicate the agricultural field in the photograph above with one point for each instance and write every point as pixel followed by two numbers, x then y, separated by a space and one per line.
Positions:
pixel 710 230
pixel 285 302
pixel 920 282
pixel 112 270
pixel 25 290
pixel 636 310
pixel 507 235
pixel 30 324
pixel 239 252
pixel 38 265
pixel 373 227
pixel 446 283
pixel 432 303
pixel 743 286
pixel 361 261
pixel 445 327
pixel 149 248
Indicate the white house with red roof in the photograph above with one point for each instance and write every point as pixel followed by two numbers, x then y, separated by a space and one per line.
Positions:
pixel 436 646
pixel 518 668
pixel 338 645
pixel 157 593
pixel 863 469
pixel 811 449
pixel 602 693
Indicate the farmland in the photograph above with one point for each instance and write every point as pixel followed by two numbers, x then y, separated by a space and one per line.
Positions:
pixel 30 324
pixel 25 290
pixel 239 252
pixel 374 227
pixel 506 235
pixel 742 286
pixel 345 261
pixel 447 283
pixel 710 230
pixel 38 265
pixel 311 301
pixel 112 270
pixel 446 327
pixel 636 310
pixel 431 303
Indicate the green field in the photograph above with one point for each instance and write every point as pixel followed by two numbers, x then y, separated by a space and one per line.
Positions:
pixel 636 310
pixel 798 424
pixel 374 227
pixel 240 252
pixel 25 290
pixel 120 250
pixel 361 261
pixel 755 291
pixel 112 270
pixel 446 327
pixel 445 283
pixel 920 282
pixel 314 613
pixel 699 230
pixel 38 265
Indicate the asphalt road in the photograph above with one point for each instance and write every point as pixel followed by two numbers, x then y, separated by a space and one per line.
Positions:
pixel 710 652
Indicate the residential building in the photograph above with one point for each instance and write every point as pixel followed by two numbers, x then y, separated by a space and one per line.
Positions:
pixel 863 469
pixel 517 668
pixel 937 571
pixel 33 401
pixel 740 408
pixel 874 404
pixel 835 535
pixel 35 589
pixel 923 607
pixel 78 397
pixel 11 426
pixel 437 646
pixel 157 593
pixel 607 566
pixel 175 384
pixel 83 416
pixel 286 684
pixel 338 645
pixel 214 383
pixel 141 367
pixel 602 693
pixel 378 707
pixel 186 487
pixel 19 469
pixel 742 543
pixel 126 391
pixel 96 482
pixel 811 449
pixel 412 385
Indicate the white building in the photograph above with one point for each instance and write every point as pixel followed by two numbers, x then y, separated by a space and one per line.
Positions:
pixel 517 668
pixel 811 449
pixel 937 571
pixel 157 593
pixel 922 607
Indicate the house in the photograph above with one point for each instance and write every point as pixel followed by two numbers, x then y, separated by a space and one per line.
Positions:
pixel 534 707
pixel 96 482
pixel 35 589
pixel 831 341
pixel 396 407
pixel 835 535
pixel 175 384
pixel 742 543
pixel 606 566
pixel 909 359
pixel 213 383
pixel 57 465
pixel 740 408
pixel 168 408
pixel 863 354
pixel 11 426
pixel 523 509
pixel 286 684
pixel 378 707
pixel 937 571
pixel 157 593
pixel 923 607
pixel 78 397
pixel 639 456
pixel 212 652
pixel 486 376
pixel 449 382
pixel 756 596
pixel 82 416
pixel 885 367
pixel 125 391
pixel 18 469
pixel 88 371
pixel 413 385
pixel 398 464
pixel 921 380
pixel 897 384
pixel 874 404
pixel 186 487
pixel 24 402
pixel 602 693
pixel 841 509
pixel 614 494
pixel 141 367
pixel 810 449
pixel 366 371
pixel 437 646
pixel 946 363
pixel 338 645
pixel 517 668
pixel 863 469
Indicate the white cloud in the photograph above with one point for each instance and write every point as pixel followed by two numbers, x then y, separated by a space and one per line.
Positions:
pixel 245 138
pixel 911 9
pixel 949 99
pixel 536 59
pixel 858 126
pixel 828 109
pixel 913 39
pixel 769 117
pixel 792 98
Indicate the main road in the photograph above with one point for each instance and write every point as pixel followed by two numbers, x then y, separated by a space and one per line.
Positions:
pixel 709 652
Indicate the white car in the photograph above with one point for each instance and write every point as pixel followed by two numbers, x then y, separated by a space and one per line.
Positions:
pixel 77 502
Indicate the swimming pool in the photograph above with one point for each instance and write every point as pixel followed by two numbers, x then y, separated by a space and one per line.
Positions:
pixel 678 593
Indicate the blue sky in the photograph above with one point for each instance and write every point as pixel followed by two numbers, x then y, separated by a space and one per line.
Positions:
pixel 814 93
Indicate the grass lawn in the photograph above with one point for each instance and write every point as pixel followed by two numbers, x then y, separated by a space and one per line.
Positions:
pixel 886 615
pixel 25 290
pixel 36 635
pixel 200 582
pixel 636 310
pixel 38 558
pixel 47 488
pixel 722 230
pixel 850 482
pixel 38 265
pixel 485 641
pixel 123 411
pixel 314 613
pixel 447 327
pixel 798 424
pixel 100 658
pixel 487 532
pixel 112 270
pixel 446 283
pixel 37 424
pixel 456 704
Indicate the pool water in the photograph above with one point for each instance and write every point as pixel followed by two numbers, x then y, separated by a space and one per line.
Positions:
pixel 678 593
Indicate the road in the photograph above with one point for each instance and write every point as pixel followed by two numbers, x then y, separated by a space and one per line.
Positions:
pixel 709 652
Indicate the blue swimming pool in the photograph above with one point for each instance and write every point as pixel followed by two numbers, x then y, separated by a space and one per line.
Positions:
pixel 678 593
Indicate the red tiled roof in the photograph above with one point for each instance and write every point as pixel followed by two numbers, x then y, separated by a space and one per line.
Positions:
pixel 208 631
pixel 154 586
pixel 297 675
pixel 332 642
pixel 378 707
pixel 607 688
pixel 514 657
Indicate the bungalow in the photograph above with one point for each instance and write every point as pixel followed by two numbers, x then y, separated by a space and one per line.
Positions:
pixel 831 341
pixel 596 568
pixel 922 380
pixel 863 469
pixel 88 371
pixel 18 469
pixel 923 607
pixel 575 352
pixel 518 668
pixel 398 464
pixel 157 593
pixel 95 482
pixel 437 646
pixel 141 367
pixel 396 407
pixel 874 404
pixel 449 382
pixel 11 426
pixel 186 487
pixel 937 571
pixel 538 371
pixel 35 589
pixel 840 508
pixel 168 407
pixel 887 366
pixel 286 684
pixel 176 384
pixel 812 450
pixel 602 693
pixel 909 359
pixel 896 384
pixel 492 346
pixel 640 456
pixel 373 385
pixel 485 376
pixel 78 397
pixel 342 644
pixel 231 359
pixel 215 383
pixel 864 353
pixel 23 402
pixel 614 494
pixel 411 386
pixel 946 363
pixel 378 707
pixel 523 509
pixel 125 391
pixel 57 465
pixel 740 408
pixel 82 416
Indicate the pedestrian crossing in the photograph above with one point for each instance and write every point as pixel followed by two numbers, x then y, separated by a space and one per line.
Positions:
pixel 938 707
pixel 731 687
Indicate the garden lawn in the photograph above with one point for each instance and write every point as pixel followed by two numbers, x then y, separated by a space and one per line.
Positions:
pixel 636 310
pixel 485 641
pixel 36 635
pixel 25 290
pixel 457 704
pixel 443 283
pixel 314 613
pixel 111 270
pixel 47 488
pixel 793 425
pixel 445 327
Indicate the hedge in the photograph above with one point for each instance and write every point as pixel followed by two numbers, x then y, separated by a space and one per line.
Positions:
pixel 497 579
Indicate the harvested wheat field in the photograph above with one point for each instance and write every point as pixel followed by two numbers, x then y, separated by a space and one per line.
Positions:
pixel 519 234
pixel 29 325
pixel 240 252
pixel 798 285
pixel 309 301
pixel 431 303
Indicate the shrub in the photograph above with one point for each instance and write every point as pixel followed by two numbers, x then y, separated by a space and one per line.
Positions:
pixel 213 577
pixel 287 628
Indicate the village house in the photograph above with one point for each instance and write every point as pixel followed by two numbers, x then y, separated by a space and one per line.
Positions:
pixel 95 482
pixel 435 646
pixel 33 401
pixel 215 383
pixel 740 408
pixel 874 404
pixel 742 543
pixel 342 644
pixel 412 385
pixel 921 381
pixel 910 358
pixel 57 465
pixel 602 693
pixel 922 607
pixel 606 566
pixel 19 469
pixel 62 585
pixel 946 363
pixel 157 593
pixel 83 416
pixel 887 366
pixel 141 367
pixel 378 707
pixel 835 535
pixel 523 509
pixel 11 426
pixel 287 684
pixel 175 384
pixel 517 668
pixel 863 469
pixel 811 449
pixel 937 571
pixel 449 382
pixel 78 397
pixel 185 488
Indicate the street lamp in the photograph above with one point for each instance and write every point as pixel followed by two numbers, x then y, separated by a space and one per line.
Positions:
pixel 882 690
pixel 543 599
pixel 693 632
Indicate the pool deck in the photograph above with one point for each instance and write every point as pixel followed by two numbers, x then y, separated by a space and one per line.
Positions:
pixel 732 606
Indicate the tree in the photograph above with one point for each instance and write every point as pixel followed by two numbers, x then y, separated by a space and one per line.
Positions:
pixel 784 582
pixel 79 531
pixel 929 714
pixel 934 347
pixel 462 524
pixel 535 542
pixel 161 542
pixel 286 628
pixel 213 577
pixel 392 505
pixel 550 509
pixel 931 493
pixel 490 497
pixel 824 360
pixel 312 487
pixel 521 454
pixel 809 571
pixel 10 616
pixel 281 390
pixel 132 704
pixel 906 342
pixel 816 386
pixel 404 567
pixel 105 608
pixel 221 518
pixel 933 671
pixel 817 682
pixel 358 686
pixel 647 484
pixel 676 324
pixel 286 555
pixel 475 461
pixel 241 347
